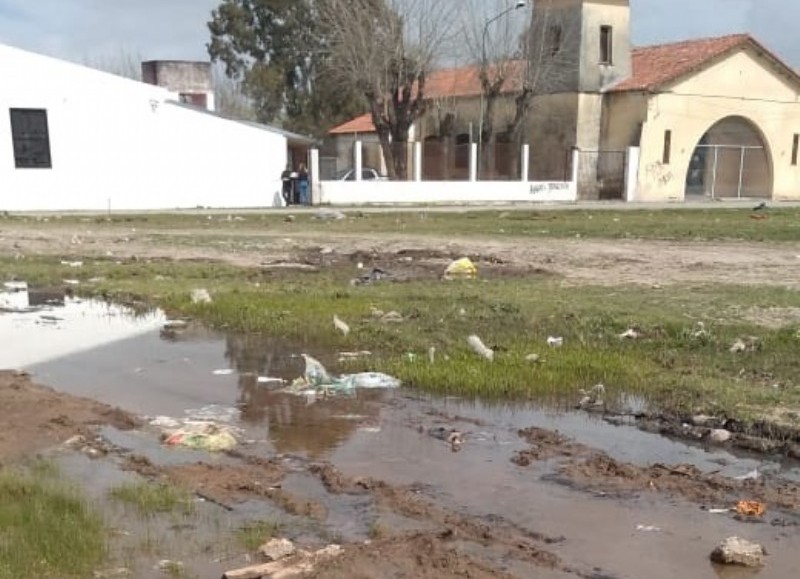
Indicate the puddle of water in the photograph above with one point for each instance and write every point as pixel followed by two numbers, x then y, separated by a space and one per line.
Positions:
pixel 375 433
pixel 46 325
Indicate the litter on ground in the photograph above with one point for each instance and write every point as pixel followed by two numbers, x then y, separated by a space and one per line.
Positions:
pixel 461 269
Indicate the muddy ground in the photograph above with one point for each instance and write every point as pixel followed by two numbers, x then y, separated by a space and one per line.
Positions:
pixel 437 538
pixel 595 261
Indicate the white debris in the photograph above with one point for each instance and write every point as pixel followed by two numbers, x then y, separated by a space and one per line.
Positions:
pixel 630 334
pixel 223 372
pixel 392 318
pixel 432 354
pixel 648 528
pixel 201 296
pixel 720 436
pixel 340 325
pixel 736 551
pixel 752 475
pixel 74 264
pixel 555 341
pixel 532 358
pixel 480 348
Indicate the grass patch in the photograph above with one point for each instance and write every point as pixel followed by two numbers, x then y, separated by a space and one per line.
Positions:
pixel 255 534
pixel 713 223
pixel 46 528
pixel 153 498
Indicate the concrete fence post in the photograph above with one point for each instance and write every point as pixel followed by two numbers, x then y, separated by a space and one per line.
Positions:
pixel 525 163
pixel 473 162
pixel 358 160
pixel 632 173
pixel 417 161
pixel 316 186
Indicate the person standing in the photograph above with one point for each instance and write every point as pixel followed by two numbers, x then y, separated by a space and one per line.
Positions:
pixel 302 183
pixel 286 182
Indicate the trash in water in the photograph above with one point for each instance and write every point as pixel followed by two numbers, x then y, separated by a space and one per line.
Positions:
pixel 592 399
pixel 270 380
pixel 461 268
pixel 752 475
pixel 449 435
pixel 340 325
pixel 648 529
pixel 74 264
pixel 203 436
pixel 224 372
pixel 718 511
pixel 480 348
pixel 751 508
pixel 555 341
pixel 316 380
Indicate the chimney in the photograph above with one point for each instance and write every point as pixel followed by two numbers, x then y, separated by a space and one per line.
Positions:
pixel 190 80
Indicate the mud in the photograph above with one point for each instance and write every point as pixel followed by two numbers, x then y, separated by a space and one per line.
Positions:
pixel 604 262
pixel 587 469
pixel 36 417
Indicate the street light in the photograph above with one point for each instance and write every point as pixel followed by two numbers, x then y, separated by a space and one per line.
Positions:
pixel 517 6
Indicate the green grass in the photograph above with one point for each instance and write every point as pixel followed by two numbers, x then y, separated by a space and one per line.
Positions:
pixel 46 528
pixel 153 498
pixel 713 223
pixel 253 535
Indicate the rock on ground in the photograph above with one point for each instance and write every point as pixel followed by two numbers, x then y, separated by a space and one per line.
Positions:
pixel 736 551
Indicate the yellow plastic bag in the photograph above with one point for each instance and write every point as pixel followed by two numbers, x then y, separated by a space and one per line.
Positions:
pixel 461 268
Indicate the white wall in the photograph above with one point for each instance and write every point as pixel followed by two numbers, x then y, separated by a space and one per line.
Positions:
pixel 378 192
pixel 118 141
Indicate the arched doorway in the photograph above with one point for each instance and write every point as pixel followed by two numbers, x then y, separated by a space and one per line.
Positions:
pixel 731 161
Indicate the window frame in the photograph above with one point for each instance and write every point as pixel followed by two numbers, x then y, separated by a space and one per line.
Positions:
pixel 795 149
pixel 22 137
pixel 666 156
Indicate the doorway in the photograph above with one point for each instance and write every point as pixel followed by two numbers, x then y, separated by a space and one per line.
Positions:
pixel 731 161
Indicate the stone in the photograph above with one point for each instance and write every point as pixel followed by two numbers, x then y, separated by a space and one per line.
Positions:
pixel 702 420
pixel 277 549
pixel 736 551
pixel 720 436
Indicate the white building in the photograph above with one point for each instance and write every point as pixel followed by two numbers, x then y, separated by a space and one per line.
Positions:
pixel 75 138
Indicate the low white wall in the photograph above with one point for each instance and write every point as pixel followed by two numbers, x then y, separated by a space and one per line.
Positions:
pixel 126 144
pixel 392 192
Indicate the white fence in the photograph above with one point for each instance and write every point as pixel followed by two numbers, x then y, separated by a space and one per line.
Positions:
pixel 418 191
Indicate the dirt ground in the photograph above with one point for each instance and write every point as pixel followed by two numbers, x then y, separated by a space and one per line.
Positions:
pixel 36 417
pixel 460 544
pixel 595 261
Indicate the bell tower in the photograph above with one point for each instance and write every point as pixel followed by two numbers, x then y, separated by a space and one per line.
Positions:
pixel 581 45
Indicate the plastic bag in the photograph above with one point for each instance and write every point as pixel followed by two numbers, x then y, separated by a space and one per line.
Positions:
pixel 461 268
pixel 315 373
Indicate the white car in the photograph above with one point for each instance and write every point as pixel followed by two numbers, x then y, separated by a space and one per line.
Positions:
pixel 367 174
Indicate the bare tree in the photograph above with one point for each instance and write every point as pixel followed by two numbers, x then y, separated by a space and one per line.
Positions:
pixel 229 96
pixel 492 35
pixel 122 63
pixel 550 64
pixel 386 49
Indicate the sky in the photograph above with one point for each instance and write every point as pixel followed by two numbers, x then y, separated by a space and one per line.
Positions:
pixel 96 30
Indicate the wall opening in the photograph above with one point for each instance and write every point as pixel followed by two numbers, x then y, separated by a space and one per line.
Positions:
pixel 730 161
pixel 31 138
pixel 606 45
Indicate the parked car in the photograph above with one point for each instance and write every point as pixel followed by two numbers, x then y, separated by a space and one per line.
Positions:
pixel 367 174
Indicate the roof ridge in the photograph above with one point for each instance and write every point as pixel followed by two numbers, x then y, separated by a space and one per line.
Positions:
pixel 689 41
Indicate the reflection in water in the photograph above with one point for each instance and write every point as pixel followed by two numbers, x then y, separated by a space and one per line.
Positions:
pixel 294 424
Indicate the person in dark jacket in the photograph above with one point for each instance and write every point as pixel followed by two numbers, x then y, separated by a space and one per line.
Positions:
pixel 286 182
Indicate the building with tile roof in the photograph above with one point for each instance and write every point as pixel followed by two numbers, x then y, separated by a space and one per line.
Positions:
pixel 703 118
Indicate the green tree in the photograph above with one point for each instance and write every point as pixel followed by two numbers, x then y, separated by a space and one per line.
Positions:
pixel 277 50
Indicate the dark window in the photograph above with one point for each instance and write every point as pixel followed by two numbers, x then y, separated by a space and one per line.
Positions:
pixel 31 138
pixel 606 45
pixel 194 99
pixel 795 146
pixel 462 151
pixel 667 147
pixel 554 39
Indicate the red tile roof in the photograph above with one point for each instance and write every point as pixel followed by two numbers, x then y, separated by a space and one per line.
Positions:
pixel 445 83
pixel 362 124
pixel 656 66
